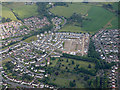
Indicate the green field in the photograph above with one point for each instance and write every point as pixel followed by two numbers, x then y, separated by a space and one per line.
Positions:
pixel 72 8
pixel 28 40
pixel 99 18
pixel 6 12
pixel 64 77
pixel 63 80
pixel 20 9
pixel 83 64
pixel 114 24
pixel 71 28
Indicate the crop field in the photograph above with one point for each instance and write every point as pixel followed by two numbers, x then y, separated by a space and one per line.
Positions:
pixel 72 8
pixel 22 10
pixel 99 18
pixel 7 13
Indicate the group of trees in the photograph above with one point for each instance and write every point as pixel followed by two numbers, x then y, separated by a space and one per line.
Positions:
pixel 60 4
pixel 98 82
pixel 91 51
pixel 76 18
pixel 110 7
pixel 42 8
pixel 72 83
pixel 5 20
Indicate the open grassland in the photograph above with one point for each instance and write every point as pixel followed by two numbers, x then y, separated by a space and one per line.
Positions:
pixel 72 8
pixel 114 24
pixel 30 39
pixel 26 11
pixel 7 13
pixel 99 18
pixel 22 10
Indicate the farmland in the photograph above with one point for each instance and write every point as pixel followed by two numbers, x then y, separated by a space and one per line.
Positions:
pixel 97 15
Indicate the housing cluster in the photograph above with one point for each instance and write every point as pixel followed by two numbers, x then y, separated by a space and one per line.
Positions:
pixel 106 42
pixel 28 60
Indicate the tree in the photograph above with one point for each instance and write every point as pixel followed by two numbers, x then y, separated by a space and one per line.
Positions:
pixel 73 62
pixel 3 20
pixel 8 20
pixel 89 66
pixel 67 60
pixel 72 84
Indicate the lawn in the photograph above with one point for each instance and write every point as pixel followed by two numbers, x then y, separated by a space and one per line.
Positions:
pixel 5 60
pixel 63 80
pixel 30 39
pixel 22 10
pixel 99 18
pixel 83 64
pixel 72 8
pixel 7 13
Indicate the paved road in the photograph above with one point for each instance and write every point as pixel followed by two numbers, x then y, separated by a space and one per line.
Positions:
pixel 16 84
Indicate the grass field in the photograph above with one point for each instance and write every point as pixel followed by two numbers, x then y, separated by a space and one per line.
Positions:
pixel 98 15
pixel 99 18
pixel 63 80
pixel 63 77
pixel 22 10
pixel 5 60
pixel 72 8
pixel 33 38
pixel 114 24
pixel 71 28
pixel 83 64
pixel 6 12
pixel 26 11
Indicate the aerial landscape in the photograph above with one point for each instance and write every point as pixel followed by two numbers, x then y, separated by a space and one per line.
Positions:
pixel 59 45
